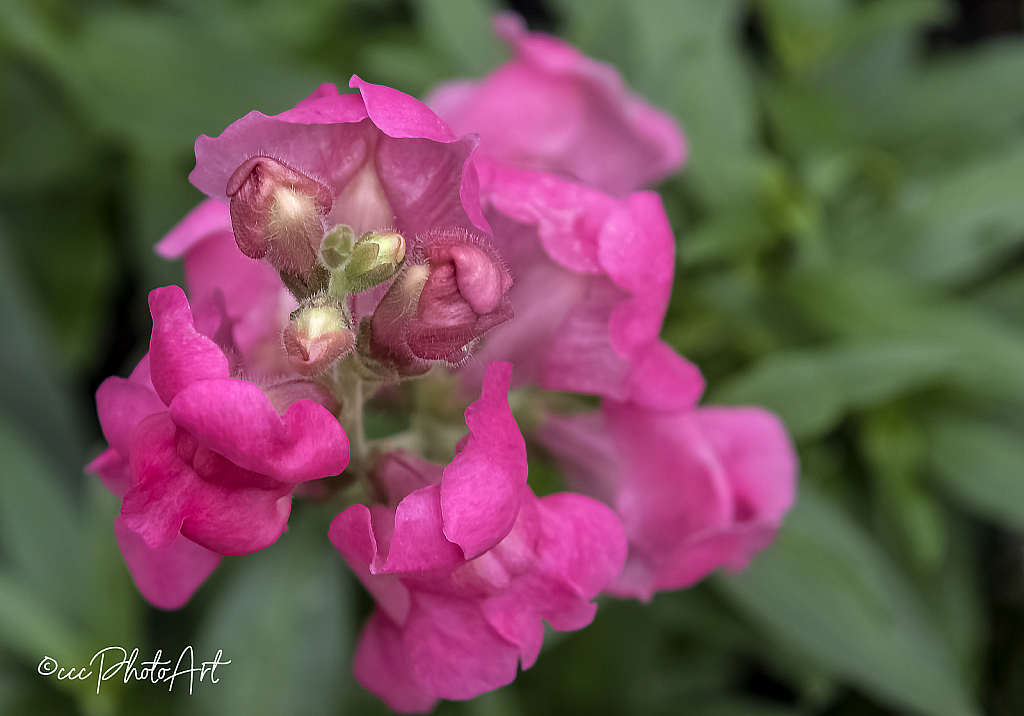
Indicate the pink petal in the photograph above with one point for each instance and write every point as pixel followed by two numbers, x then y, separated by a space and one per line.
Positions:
pixel 399 115
pixel 351 533
pixel 382 666
pixel 209 216
pixel 230 512
pixel 453 652
pixel 759 459
pixel 326 106
pixel 553 109
pixel 113 470
pixel 674 484
pixel 583 543
pixel 237 420
pixel 665 380
pixel 178 354
pixel 122 404
pixel 252 296
pixel 418 542
pixel 167 576
pixel 481 488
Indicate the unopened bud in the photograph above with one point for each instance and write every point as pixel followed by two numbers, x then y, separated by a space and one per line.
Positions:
pixel 316 338
pixel 277 213
pixel 336 247
pixel 375 258
pixel 438 309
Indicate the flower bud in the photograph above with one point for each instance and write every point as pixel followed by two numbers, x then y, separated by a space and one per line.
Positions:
pixel 336 247
pixel 451 295
pixel 277 213
pixel 375 258
pixel 317 337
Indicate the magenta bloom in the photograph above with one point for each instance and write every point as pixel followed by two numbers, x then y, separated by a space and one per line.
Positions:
pixel 464 562
pixel 695 489
pixel 384 160
pixel 206 463
pixel 553 109
pixel 593 276
pixel 238 302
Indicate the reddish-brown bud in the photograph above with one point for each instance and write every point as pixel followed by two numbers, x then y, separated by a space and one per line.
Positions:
pixel 316 338
pixel 277 214
pixel 452 293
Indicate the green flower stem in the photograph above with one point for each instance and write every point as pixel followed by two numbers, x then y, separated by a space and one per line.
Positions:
pixel 348 388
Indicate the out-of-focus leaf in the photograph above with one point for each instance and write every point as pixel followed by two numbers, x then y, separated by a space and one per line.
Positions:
pixel 894 450
pixel 740 707
pixel 812 390
pixel 30 384
pixel 980 463
pixel 281 621
pixel 700 613
pixel 870 305
pixel 460 30
pixel 1004 296
pixel 968 220
pixel 41 141
pixel 40 532
pixel 161 195
pixel 726 235
pixel 114 605
pixel 959 102
pixel 406 66
pixel 62 241
pixel 31 630
pixel 160 80
pixel 827 589
pixel 809 33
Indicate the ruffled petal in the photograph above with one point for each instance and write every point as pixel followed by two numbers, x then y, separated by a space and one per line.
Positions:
pixel 178 354
pixel 166 576
pixel 553 109
pixel 237 420
pixel 481 488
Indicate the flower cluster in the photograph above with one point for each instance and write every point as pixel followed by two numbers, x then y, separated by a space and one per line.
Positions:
pixel 366 252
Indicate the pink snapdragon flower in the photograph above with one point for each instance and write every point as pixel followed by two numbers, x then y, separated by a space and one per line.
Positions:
pixel 554 109
pixel 696 489
pixel 464 562
pixel 205 463
pixel 384 159
pixel 593 279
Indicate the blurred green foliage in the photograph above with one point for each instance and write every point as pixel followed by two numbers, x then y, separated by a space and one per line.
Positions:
pixel 851 236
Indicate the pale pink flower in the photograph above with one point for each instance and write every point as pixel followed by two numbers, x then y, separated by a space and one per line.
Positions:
pixel 554 109
pixel 695 489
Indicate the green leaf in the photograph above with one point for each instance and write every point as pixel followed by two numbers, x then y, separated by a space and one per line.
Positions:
pixel 867 305
pixel 827 589
pixel 40 532
pixel 281 621
pixel 31 385
pixel 160 80
pixel 925 111
pixel 812 390
pixel 461 31
pixel 965 221
pixel 981 463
